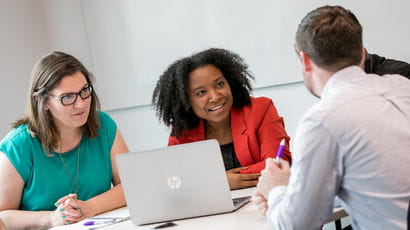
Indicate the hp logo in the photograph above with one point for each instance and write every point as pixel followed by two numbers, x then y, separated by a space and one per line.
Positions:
pixel 174 182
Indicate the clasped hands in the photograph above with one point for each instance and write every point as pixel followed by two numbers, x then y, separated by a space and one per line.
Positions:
pixel 70 210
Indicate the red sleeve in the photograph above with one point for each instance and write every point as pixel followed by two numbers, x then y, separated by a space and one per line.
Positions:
pixel 172 140
pixel 270 132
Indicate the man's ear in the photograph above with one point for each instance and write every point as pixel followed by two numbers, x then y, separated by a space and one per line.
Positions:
pixel 364 54
pixel 306 62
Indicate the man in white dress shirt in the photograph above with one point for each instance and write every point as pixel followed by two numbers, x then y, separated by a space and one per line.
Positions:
pixel 354 144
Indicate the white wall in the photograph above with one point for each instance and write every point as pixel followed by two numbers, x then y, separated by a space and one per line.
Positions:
pixel 29 29
pixel 64 22
pixel 134 41
pixel 23 40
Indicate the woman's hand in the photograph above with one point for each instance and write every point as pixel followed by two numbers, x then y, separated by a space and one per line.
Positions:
pixel 65 213
pixel 57 217
pixel 71 210
pixel 237 180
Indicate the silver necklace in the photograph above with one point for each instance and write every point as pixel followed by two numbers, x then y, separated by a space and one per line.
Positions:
pixel 74 186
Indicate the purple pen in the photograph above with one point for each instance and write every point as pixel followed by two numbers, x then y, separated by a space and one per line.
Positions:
pixel 281 149
pixel 95 222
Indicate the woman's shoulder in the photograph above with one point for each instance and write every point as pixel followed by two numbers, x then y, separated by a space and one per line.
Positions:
pixel 17 136
pixel 260 101
pixel 108 127
pixel 258 104
pixel 256 110
pixel 19 147
pixel 191 135
pixel 104 116
pixel 106 120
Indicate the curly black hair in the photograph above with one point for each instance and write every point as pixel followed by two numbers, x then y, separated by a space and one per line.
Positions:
pixel 170 96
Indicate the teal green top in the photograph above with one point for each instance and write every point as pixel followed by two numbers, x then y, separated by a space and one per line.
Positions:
pixel 45 178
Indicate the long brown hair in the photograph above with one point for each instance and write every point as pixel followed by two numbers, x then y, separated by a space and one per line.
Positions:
pixel 47 74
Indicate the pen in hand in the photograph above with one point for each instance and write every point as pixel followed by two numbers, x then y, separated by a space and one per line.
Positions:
pixel 281 149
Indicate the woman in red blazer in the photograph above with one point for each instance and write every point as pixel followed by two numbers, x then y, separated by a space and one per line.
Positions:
pixel 207 96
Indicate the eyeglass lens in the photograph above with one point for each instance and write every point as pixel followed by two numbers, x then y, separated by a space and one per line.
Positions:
pixel 71 98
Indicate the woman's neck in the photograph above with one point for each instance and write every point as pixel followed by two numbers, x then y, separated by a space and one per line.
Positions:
pixel 219 131
pixel 69 139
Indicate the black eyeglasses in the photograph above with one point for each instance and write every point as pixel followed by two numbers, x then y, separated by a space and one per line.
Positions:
pixel 71 98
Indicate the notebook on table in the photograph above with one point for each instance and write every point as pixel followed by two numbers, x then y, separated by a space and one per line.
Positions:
pixel 176 182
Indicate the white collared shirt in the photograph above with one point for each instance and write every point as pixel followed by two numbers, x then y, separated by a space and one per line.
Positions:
pixel 353 144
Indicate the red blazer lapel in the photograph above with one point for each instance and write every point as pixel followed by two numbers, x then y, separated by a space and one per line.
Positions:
pixel 239 137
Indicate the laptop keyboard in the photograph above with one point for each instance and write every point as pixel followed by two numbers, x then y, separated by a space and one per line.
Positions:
pixel 241 200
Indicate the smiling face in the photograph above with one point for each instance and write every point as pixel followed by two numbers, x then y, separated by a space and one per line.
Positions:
pixel 210 95
pixel 73 116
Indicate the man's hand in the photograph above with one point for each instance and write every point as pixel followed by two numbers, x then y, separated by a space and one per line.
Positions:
pixel 260 202
pixel 273 176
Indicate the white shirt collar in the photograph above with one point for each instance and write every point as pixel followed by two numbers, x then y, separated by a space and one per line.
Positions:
pixel 340 78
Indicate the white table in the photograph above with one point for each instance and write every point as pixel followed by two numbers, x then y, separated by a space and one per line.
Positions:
pixel 247 217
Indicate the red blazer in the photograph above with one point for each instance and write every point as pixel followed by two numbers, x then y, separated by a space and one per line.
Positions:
pixel 257 130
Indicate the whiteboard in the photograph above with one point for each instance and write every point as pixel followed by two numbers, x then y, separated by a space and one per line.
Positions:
pixel 133 41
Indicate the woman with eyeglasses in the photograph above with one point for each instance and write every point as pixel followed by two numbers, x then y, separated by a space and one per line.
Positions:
pixel 57 164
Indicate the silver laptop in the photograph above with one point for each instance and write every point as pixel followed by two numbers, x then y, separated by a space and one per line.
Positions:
pixel 176 182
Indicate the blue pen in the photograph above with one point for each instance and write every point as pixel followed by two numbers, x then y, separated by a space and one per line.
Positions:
pixel 281 149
